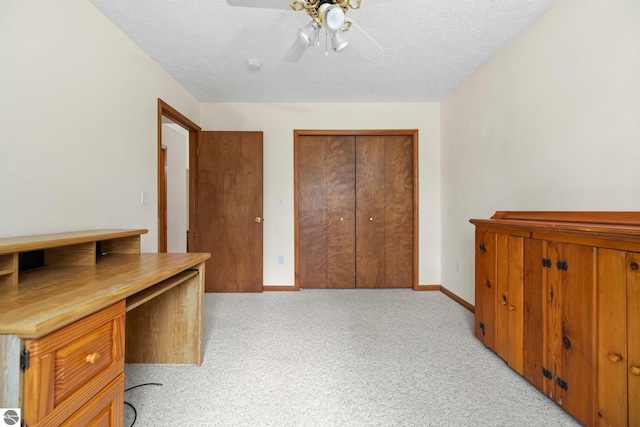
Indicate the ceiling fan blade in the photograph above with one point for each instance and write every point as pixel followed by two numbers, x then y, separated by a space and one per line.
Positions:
pixel 265 4
pixel 296 51
pixel 363 42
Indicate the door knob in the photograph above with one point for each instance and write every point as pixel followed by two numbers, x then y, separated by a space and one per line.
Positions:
pixel 371 218
pixel 258 219
pixel 341 219
pixel 635 370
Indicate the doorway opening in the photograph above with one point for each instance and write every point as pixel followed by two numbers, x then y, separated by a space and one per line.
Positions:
pixel 177 180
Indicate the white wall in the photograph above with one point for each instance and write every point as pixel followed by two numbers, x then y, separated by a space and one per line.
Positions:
pixel 78 121
pixel 278 122
pixel 552 122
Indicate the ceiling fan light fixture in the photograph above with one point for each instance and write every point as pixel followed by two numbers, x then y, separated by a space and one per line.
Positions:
pixel 332 16
pixel 308 34
pixel 339 40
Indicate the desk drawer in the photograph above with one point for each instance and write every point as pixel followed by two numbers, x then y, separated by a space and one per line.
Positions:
pixel 71 365
pixel 105 409
pixel 82 359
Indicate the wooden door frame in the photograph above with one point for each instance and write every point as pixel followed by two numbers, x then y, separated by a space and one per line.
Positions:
pixel 165 110
pixel 384 132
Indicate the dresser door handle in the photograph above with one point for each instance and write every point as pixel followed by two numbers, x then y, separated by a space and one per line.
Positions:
pixel 615 357
pixel 635 370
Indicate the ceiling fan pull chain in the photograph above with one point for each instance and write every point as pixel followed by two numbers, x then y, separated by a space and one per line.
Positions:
pixel 326 42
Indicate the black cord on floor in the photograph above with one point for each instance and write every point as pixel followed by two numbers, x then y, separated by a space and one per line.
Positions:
pixel 135 413
pixel 140 385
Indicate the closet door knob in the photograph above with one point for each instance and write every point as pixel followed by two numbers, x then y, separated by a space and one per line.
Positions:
pixel 370 218
pixel 341 219
pixel 258 219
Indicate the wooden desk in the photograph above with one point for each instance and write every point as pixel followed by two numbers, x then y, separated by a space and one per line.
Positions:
pixel 64 299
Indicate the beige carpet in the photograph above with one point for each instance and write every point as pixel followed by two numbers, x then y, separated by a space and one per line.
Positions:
pixel 338 358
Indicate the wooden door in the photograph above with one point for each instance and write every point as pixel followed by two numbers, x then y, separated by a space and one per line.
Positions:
pixel 571 328
pixel 398 211
pixel 612 338
pixel 370 212
pixel 633 334
pixel 326 211
pixel 384 211
pixel 534 302
pixel 355 210
pixel 485 288
pixel 229 210
pixel 509 313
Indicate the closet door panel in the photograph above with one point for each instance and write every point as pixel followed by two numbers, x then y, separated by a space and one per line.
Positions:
pixel 398 225
pixel 370 210
pixel 312 211
pixel 341 206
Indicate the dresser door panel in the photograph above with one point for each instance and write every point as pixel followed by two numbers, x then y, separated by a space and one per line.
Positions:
pixel 633 325
pixel 612 337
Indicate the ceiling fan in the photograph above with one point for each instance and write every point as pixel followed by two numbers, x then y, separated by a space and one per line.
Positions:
pixel 327 14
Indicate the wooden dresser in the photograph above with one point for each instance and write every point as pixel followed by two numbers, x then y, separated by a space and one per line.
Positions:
pixel 75 306
pixel 558 298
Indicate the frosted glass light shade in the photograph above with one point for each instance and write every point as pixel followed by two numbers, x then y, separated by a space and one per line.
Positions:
pixel 334 18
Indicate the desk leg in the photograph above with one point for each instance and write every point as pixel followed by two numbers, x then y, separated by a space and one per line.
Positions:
pixel 169 328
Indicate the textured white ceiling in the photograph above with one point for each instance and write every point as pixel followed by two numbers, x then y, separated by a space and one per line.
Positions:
pixel 430 47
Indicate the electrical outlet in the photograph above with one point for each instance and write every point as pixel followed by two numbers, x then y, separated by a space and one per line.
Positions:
pixel 280 259
pixel 143 197
pixel 459 266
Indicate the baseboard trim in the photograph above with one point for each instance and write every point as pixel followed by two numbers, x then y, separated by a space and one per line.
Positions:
pixel 279 288
pixel 427 288
pixel 457 299
pixel 440 288
pixel 448 293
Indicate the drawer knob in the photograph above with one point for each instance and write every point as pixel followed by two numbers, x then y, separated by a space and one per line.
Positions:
pixel 635 370
pixel 615 357
pixel 92 358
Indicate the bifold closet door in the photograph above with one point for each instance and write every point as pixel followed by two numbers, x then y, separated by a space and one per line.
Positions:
pixel 355 211
pixel 326 211
pixel 384 211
